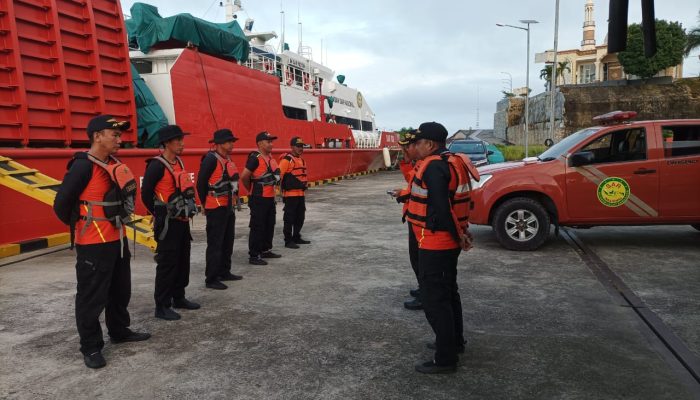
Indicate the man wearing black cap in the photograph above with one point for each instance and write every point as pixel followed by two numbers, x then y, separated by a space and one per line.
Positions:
pixel 293 184
pixel 169 197
pixel 438 212
pixel 217 186
pixel 260 177
pixel 103 268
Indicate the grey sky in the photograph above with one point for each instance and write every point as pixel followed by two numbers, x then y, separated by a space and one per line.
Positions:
pixel 416 61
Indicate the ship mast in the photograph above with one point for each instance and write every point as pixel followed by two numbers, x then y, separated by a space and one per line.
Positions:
pixel 282 39
pixel 232 7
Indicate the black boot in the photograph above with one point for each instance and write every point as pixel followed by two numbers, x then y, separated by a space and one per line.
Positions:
pixel 414 304
pixel 94 360
pixel 166 313
pixel 186 304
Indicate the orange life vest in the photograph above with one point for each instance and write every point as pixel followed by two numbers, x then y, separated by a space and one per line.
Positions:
pixel 404 195
pixel 175 194
pixel 107 202
pixel 223 183
pixel 293 174
pixel 461 172
pixel 265 176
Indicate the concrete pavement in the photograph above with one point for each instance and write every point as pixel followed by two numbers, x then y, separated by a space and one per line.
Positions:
pixel 326 321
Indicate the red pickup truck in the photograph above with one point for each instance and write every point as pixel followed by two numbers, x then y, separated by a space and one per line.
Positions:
pixel 618 173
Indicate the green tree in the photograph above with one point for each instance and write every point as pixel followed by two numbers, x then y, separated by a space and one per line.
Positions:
pixel 670 43
pixel 546 74
pixel 561 67
pixel 693 38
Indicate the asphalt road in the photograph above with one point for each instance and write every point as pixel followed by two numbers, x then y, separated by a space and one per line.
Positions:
pixel 327 321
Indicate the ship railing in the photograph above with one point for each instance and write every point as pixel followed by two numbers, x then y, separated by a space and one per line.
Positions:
pixel 262 58
pixel 366 140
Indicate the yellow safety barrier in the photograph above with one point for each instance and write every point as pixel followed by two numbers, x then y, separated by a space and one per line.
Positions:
pixel 41 187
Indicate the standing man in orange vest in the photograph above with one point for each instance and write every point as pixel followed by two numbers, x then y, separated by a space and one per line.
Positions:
pixel 217 186
pixel 293 184
pixel 438 210
pixel 167 192
pixel 408 168
pixel 94 201
pixel 260 177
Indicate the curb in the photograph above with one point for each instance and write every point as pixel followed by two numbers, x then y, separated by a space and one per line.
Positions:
pixel 13 249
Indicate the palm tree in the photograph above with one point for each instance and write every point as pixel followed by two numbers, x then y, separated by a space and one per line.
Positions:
pixel 693 38
pixel 561 67
pixel 546 74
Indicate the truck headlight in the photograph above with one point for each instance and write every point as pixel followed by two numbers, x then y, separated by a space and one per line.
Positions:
pixel 482 180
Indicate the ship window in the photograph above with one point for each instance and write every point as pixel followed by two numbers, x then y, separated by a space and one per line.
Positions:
pixel 351 122
pixel 367 126
pixel 143 66
pixel 294 113
pixel 297 76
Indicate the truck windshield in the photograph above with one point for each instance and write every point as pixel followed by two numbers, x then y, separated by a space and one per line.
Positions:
pixel 568 142
pixel 467 148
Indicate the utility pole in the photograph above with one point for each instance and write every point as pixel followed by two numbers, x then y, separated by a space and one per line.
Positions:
pixel 553 93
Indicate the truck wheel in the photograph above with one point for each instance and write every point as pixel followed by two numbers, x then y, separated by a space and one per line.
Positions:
pixel 696 226
pixel 521 224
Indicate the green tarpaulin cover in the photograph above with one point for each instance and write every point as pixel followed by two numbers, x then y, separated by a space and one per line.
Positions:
pixel 146 28
pixel 149 115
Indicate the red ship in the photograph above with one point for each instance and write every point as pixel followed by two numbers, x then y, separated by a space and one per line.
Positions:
pixel 64 61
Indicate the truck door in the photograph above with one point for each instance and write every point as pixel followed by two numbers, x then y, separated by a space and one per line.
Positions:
pixel 617 182
pixel 680 170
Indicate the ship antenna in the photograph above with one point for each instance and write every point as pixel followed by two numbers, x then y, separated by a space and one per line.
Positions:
pixel 282 38
pixel 299 22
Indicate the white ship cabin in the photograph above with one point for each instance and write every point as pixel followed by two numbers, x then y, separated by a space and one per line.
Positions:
pixel 303 80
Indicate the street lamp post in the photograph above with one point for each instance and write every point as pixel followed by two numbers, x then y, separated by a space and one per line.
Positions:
pixel 527 22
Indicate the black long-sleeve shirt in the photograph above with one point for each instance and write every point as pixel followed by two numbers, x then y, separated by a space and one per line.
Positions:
pixel 74 183
pixel 155 170
pixel 206 168
pixel 437 180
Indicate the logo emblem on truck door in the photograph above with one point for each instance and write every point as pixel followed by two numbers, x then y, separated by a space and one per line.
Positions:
pixel 613 192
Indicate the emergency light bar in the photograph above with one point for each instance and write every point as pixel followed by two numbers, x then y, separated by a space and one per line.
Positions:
pixel 614 117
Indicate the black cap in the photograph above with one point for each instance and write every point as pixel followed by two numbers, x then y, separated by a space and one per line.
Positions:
pixel 106 122
pixel 297 141
pixel 169 132
pixel 408 138
pixel 431 131
pixel 264 136
pixel 222 136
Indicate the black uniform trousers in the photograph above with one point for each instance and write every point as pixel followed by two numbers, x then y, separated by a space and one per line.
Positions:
pixel 173 258
pixel 104 283
pixel 294 214
pixel 221 228
pixel 413 251
pixel 262 224
pixel 441 302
